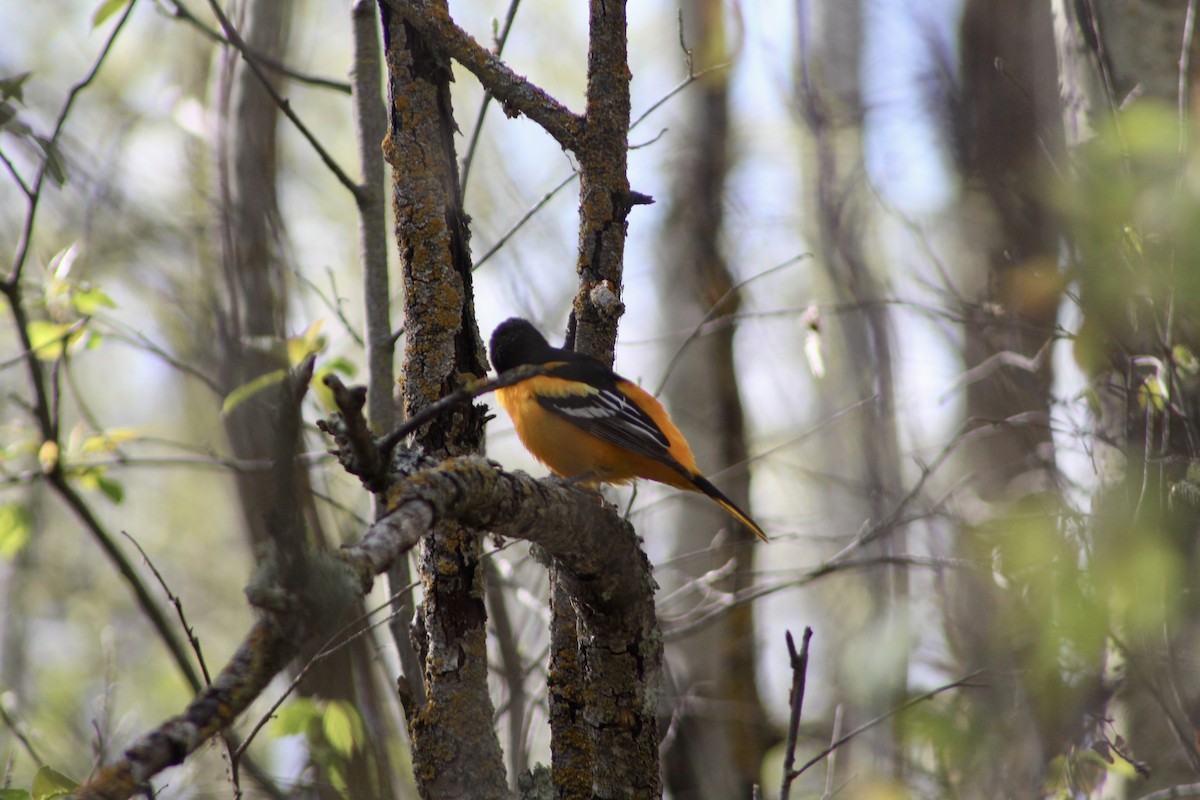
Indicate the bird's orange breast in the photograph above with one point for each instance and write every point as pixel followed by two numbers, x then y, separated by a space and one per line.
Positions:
pixel 566 449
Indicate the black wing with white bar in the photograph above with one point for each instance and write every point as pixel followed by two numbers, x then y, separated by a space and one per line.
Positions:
pixel 609 415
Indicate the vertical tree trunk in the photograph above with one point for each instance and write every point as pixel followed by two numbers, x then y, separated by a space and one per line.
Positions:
pixel 1008 126
pixel 602 690
pixel 253 308
pixel 456 752
pixel 861 339
pixel 721 730
pixel 251 318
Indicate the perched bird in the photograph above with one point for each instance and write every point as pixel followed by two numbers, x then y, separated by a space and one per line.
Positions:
pixel 587 423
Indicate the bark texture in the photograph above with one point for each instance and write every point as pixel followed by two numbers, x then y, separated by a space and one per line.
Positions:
pixel 603 684
pixel 456 751
pixel 595 544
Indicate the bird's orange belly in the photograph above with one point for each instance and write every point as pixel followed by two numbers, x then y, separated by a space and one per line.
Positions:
pixel 570 452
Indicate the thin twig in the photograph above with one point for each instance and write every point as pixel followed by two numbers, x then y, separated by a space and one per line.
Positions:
pixel 477 128
pixel 676 89
pixel 145 599
pixel 894 517
pixel 465 394
pixel 706 615
pixel 121 461
pixel 182 12
pixel 135 338
pixel 715 309
pixel 528 215
pixel 334 303
pixel 511 671
pixel 330 646
pixel 35 191
pixel 1183 96
pixel 831 764
pixel 866 726
pixel 175 601
pixel 1171 792
pixel 24 739
pixel 61 339
pixel 799 664
pixel 284 105
pixel 515 93
pixel 16 176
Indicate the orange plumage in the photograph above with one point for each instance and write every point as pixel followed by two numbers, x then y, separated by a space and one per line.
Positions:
pixel 585 422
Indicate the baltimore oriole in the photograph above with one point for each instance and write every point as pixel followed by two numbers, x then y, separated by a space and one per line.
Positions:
pixel 587 423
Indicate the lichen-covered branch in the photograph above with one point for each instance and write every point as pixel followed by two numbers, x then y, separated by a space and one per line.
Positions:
pixel 603 668
pixel 516 93
pixel 604 195
pixel 455 749
pixel 587 539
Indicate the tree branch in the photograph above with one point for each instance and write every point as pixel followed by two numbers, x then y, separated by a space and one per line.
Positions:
pixel 516 93
pixel 564 520
pixel 284 105
pixel 182 12
pixel 799 664
pixel 34 192
pixel 477 129
pixel 921 698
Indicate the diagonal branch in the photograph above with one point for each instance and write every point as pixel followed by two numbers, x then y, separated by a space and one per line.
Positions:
pixel 180 11
pixel 34 192
pixel 516 93
pixel 964 681
pixel 477 129
pixel 284 105
pixel 598 547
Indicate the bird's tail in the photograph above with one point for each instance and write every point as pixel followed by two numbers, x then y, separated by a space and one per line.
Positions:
pixel 703 484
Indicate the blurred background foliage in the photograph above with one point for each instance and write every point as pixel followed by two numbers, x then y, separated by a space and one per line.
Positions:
pixel 964 347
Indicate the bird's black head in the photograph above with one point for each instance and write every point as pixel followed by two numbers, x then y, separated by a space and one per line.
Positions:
pixel 515 342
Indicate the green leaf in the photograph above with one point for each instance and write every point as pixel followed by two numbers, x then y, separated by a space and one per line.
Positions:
pixel 8 112
pixel 337 776
pixel 50 339
pixel 247 390
pixel 14 794
pixel 49 784
pixel 16 523
pixel 55 167
pixel 302 346
pixel 342 727
pixel 322 392
pixel 106 10
pixel 1133 239
pixel 1152 392
pixel 1185 359
pixel 14 86
pixel 112 488
pixel 95 478
pixel 295 717
pixel 341 364
pixel 86 299
pixel 109 440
